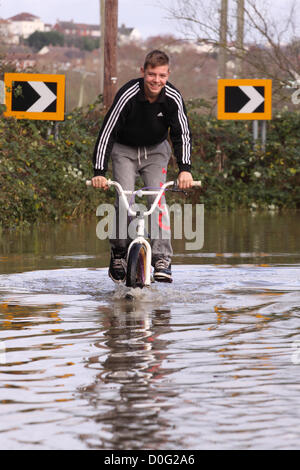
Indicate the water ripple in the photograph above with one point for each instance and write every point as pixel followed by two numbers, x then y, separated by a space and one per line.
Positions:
pixel 208 362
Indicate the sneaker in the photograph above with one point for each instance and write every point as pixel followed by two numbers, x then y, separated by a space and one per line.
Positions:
pixel 162 271
pixel 117 266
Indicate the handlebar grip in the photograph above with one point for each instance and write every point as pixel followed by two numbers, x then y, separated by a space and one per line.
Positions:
pixel 89 182
pixel 197 183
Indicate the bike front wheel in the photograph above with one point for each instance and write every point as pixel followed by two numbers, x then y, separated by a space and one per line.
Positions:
pixel 136 266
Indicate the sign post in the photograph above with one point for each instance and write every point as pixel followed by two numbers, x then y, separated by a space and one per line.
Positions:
pixel 35 96
pixel 2 92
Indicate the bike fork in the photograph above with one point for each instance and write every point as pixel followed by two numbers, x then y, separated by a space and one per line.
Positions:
pixel 147 246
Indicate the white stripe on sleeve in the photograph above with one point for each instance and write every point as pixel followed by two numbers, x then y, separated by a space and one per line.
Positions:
pixel 111 122
pixel 183 123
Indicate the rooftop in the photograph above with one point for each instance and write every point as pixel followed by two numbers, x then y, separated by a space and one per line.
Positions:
pixel 72 25
pixel 24 17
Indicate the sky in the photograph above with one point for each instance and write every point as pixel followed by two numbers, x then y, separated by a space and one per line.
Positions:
pixel 147 16
pixel 144 15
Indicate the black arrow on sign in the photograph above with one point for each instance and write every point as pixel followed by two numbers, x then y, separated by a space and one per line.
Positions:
pixel 238 99
pixel 25 96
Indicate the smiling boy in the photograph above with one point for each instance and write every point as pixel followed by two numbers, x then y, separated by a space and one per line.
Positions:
pixel 134 133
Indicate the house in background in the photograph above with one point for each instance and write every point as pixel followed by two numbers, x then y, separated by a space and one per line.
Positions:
pixel 21 57
pixel 54 59
pixel 128 34
pixel 5 34
pixel 25 24
pixel 22 26
pixel 70 28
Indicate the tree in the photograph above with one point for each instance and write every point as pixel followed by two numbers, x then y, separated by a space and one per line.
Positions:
pixel 269 47
pixel 39 39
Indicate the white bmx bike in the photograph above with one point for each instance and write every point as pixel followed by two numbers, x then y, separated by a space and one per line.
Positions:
pixel 139 251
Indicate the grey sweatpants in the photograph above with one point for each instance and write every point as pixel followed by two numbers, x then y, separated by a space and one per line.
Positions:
pixel 151 164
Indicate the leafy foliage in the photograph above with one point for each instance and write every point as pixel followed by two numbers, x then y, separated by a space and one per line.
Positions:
pixel 39 39
pixel 43 177
pixel 236 172
pixel 43 165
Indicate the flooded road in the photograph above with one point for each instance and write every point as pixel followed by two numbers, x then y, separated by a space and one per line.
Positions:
pixel 211 361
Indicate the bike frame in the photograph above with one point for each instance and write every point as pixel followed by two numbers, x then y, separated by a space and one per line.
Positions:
pixel 141 216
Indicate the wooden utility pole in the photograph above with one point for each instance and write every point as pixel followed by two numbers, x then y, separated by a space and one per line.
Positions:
pixel 240 37
pixel 110 52
pixel 222 57
pixel 102 34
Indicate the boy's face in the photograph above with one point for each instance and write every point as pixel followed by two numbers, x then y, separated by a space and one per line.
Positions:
pixel 155 79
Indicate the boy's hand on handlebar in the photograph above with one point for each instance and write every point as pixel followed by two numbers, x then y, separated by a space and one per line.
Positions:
pixel 185 180
pixel 100 182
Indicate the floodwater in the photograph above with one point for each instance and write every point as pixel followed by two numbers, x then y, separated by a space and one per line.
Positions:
pixel 211 361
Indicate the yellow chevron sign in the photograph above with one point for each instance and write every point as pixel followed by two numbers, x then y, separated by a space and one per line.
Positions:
pixel 35 96
pixel 245 99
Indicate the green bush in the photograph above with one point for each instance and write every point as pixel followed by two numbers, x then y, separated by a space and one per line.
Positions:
pixel 39 39
pixel 237 173
pixel 42 175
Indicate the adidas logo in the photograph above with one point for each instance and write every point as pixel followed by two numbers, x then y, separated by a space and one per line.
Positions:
pixel 160 114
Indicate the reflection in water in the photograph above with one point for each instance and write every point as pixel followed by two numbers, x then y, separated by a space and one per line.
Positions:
pixel 204 363
pixel 265 237
pixel 125 393
pixel 210 361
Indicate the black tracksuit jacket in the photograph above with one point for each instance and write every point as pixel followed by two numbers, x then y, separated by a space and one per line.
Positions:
pixel 132 120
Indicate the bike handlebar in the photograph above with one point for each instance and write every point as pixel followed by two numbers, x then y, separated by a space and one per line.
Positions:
pixel 140 192
pixel 169 183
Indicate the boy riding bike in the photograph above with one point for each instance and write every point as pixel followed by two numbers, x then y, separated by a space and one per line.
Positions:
pixel 134 133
